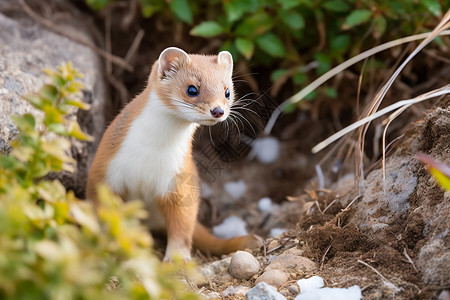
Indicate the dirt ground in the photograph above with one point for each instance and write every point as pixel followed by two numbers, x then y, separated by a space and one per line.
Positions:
pixel 392 240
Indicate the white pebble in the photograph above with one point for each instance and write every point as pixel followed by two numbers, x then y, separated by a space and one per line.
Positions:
pixel 232 226
pixel 309 284
pixel 266 149
pixel 243 265
pixel 235 188
pixel 265 204
pixel 351 293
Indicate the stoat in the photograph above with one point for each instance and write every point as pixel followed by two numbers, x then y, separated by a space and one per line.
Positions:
pixel 146 152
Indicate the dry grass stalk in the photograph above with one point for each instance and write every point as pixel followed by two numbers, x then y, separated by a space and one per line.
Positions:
pixel 338 69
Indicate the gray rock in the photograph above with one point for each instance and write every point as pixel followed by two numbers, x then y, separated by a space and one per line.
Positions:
pixel 238 291
pixel 210 271
pixel 273 277
pixel 243 265
pixel 25 50
pixel 389 196
pixel 216 268
pixel 263 291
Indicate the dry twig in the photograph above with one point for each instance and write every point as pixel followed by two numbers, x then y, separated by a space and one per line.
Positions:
pixel 39 19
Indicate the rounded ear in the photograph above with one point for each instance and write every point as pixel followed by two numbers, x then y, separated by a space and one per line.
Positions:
pixel 225 58
pixel 170 60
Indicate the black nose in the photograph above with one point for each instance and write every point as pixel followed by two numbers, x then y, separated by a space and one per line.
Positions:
pixel 217 112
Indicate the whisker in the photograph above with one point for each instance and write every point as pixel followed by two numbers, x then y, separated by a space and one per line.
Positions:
pixel 210 137
pixel 238 113
pixel 237 127
pixel 232 113
pixel 247 109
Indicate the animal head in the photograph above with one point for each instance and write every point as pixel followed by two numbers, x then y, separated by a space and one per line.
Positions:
pixel 197 88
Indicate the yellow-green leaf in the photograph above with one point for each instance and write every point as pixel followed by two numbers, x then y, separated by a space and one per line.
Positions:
pixel 75 131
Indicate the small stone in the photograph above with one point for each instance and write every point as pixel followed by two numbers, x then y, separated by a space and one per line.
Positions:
pixel 273 277
pixel 272 245
pixel 243 265
pixel 291 260
pixel 263 291
pixel 272 258
pixel 294 289
pixel 238 291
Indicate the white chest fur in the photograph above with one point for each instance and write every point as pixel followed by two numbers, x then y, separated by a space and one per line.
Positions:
pixel 152 153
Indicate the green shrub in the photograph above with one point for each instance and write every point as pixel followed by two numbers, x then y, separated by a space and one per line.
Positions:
pixel 54 246
pixel 286 35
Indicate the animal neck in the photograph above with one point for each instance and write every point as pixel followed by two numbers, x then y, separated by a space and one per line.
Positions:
pixel 160 128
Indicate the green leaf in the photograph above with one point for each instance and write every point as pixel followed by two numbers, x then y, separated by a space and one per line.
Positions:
pixel 311 96
pixel 289 107
pixel 182 10
pixel 336 5
pixel 23 153
pixel 149 9
pixel 271 44
pixel 27 122
pixel 357 17
pixel 207 29
pixel 49 92
pixel 292 19
pixel 57 128
pixel 330 92
pixel 433 6
pixel 324 63
pixel 245 46
pixel 52 115
pixel 277 74
pixel 379 26
pixel 235 9
pixel 74 130
pixel 288 4
pixel 97 4
pixel 299 78
pixel 339 44
pixel 80 104
pixel 254 25
pixel 229 46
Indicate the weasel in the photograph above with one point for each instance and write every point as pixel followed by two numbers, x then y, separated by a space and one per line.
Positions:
pixel 146 152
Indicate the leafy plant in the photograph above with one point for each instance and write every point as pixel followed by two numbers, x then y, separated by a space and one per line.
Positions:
pixel 54 246
pixel 288 35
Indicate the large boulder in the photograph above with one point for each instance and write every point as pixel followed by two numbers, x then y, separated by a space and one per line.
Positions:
pixel 27 48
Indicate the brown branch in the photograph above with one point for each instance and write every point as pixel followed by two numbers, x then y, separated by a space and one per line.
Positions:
pixel 39 19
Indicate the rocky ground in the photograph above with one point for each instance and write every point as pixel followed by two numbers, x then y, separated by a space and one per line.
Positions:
pixel 392 240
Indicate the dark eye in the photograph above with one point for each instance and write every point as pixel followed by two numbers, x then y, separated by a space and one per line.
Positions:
pixel 192 91
pixel 227 93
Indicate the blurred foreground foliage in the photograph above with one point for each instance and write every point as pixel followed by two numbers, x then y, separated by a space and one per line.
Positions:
pixel 54 246
pixel 298 39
